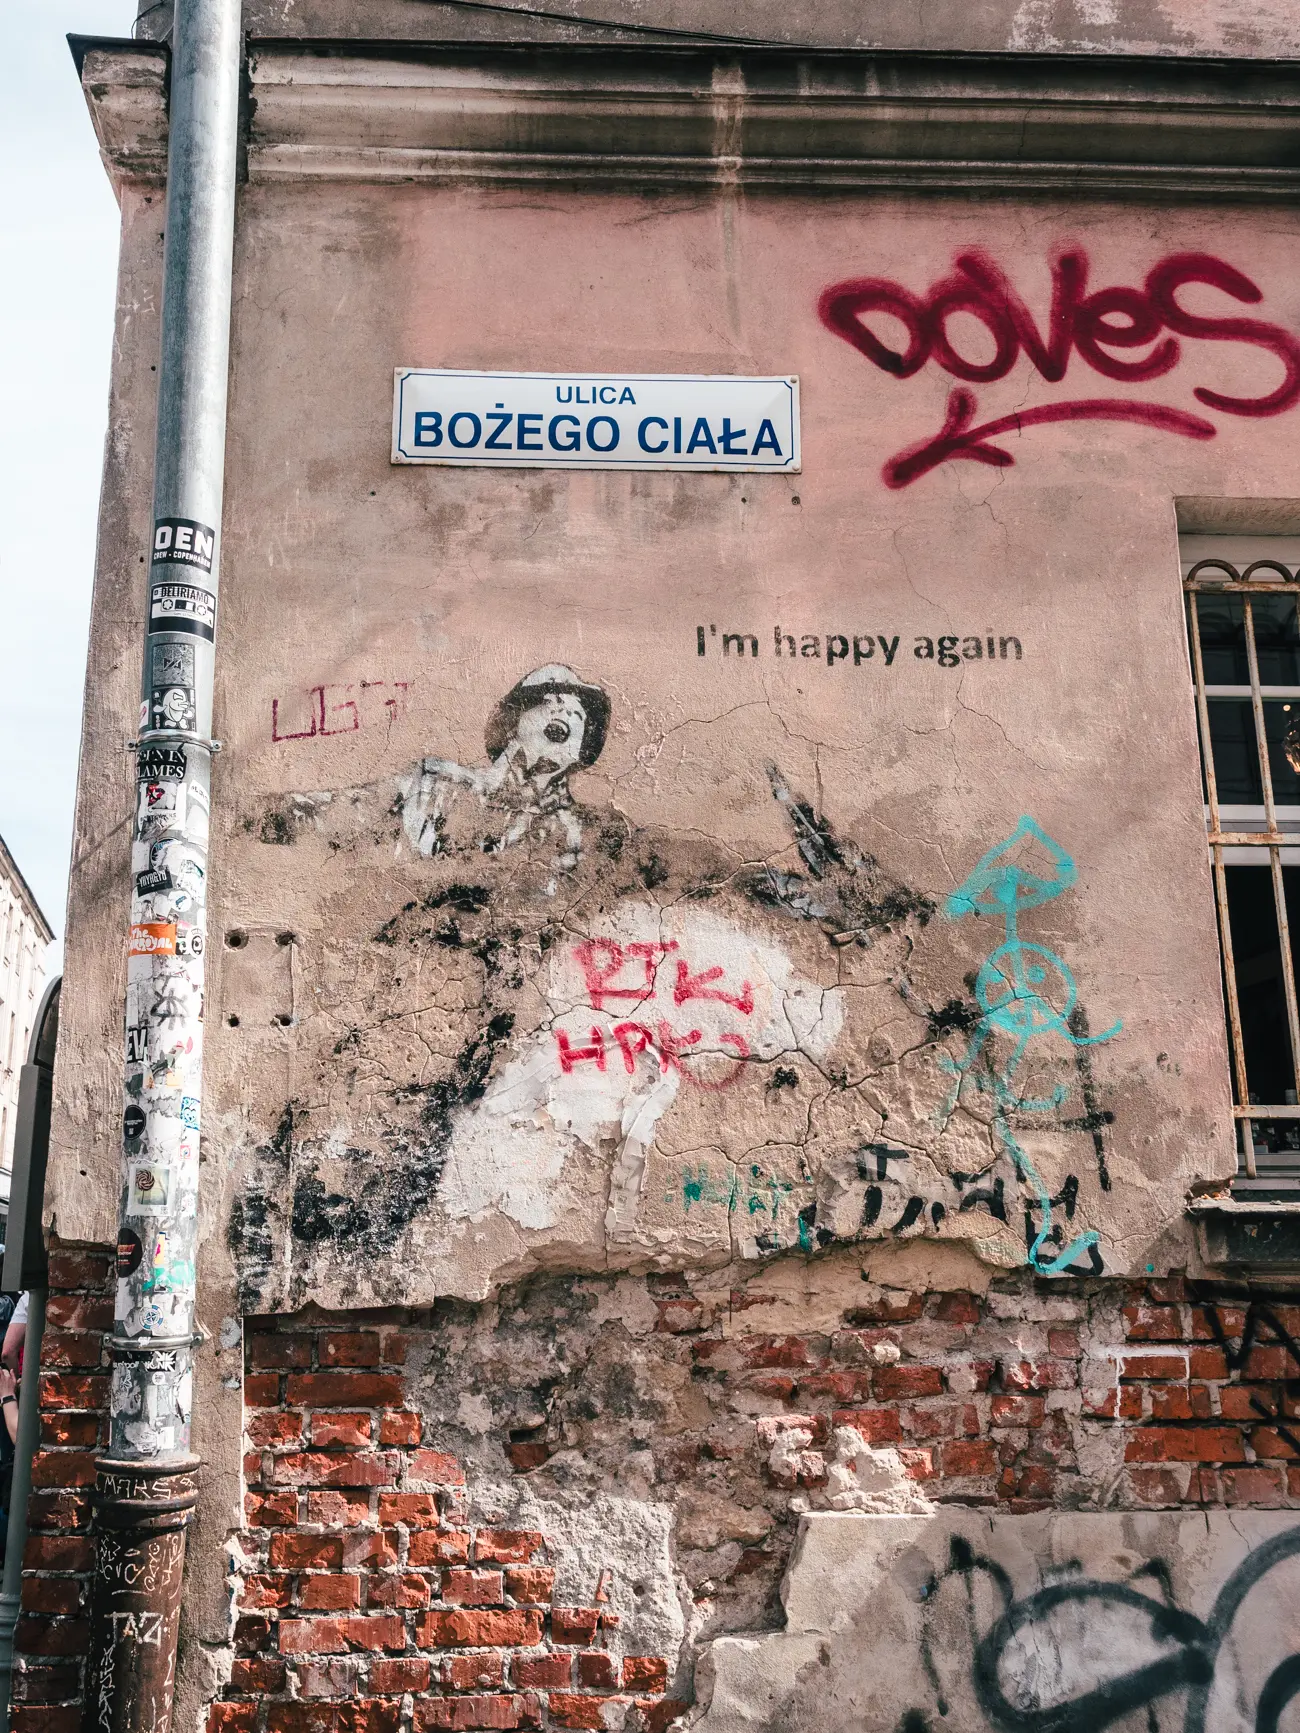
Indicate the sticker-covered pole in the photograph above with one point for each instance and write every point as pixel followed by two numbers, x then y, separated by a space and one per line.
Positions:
pixel 146 1485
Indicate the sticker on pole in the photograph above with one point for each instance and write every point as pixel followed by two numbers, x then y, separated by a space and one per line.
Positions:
pixel 182 541
pixel 595 420
pixel 183 608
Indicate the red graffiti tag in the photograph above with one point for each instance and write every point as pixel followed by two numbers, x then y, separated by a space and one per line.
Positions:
pixel 602 962
pixel 330 715
pixel 1093 326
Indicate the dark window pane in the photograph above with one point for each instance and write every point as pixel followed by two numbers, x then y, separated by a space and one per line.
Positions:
pixel 1257 961
pixel 1223 640
pixel 1277 640
pixel 1282 728
pixel 1236 757
pixel 1276 1137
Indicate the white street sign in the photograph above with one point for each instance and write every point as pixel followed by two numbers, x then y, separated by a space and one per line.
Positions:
pixel 595 420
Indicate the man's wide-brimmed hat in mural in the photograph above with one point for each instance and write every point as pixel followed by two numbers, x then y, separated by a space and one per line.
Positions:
pixel 542 683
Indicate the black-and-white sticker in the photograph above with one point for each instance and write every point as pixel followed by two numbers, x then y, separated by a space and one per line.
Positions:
pixel 129 1252
pixel 189 942
pixel 156 879
pixel 180 541
pixel 171 664
pixel 137 1043
pixel 171 684
pixel 182 608
pixel 172 707
pixel 161 764
pixel 133 1123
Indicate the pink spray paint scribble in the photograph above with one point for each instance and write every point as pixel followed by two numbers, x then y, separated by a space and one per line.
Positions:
pixel 1094 326
pixel 635 973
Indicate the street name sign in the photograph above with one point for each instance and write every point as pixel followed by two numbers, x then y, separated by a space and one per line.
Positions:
pixel 595 420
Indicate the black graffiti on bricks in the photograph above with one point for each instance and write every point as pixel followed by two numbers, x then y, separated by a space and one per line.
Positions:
pixel 1190 1666
pixel 1260 1313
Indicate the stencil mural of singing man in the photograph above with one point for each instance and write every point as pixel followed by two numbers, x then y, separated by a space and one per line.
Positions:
pixel 547 726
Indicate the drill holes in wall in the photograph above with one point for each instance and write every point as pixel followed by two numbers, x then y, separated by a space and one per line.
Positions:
pixel 237 939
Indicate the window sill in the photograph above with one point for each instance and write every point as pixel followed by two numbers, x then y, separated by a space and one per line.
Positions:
pixel 1250 1232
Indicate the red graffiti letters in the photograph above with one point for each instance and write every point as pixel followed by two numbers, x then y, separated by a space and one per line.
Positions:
pixel 329 713
pixel 571 1055
pixel 603 963
pixel 601 960
pixel 694 987
pixel 1102 328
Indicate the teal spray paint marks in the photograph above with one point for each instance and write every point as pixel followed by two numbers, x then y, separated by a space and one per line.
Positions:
pixel 754 1193
pixel 1025 993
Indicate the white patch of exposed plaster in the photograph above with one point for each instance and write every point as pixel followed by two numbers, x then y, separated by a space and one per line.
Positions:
pixel 1031 27
pixel 861 1587
pixel 475 1414
pixel 619 1546
pixel 859 1477
pixel 655 1004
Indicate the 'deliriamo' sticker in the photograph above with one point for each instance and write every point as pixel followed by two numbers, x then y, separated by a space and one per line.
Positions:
pixel 183 608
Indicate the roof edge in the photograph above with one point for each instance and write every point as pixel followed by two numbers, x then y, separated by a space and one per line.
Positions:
pixel 9 867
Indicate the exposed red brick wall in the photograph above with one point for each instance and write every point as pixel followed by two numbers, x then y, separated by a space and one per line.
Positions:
pixel 51 1639
pixel 370 1580
pixel 1199 1379
pixel 374 1603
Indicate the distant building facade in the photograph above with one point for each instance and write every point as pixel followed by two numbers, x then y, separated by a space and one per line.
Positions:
pixel 25 933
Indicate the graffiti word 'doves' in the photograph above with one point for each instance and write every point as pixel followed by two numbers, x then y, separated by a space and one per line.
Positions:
pixel 1103 328
pixel 615 974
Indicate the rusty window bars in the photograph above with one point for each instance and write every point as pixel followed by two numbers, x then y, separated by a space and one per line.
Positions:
pixel 1244 636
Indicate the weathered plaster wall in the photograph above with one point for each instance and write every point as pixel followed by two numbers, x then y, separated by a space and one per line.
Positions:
pixel 85 1136
pixel 993 1621
pixel 404 1083
pixel 1266 28
pixel 766 880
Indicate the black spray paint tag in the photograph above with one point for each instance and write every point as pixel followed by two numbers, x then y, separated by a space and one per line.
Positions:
pixel 180 541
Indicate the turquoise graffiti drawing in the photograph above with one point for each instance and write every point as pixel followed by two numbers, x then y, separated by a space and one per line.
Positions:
pixel 1025 993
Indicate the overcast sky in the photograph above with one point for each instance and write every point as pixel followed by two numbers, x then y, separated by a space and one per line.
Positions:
pixel 58 243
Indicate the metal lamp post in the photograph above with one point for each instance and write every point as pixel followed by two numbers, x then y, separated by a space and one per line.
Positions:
pixel 146 1485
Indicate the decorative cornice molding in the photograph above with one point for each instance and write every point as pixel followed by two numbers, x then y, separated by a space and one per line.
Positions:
pixel 125 85
pixel 1147 128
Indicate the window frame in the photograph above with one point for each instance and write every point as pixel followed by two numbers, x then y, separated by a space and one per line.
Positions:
pixel 1231 578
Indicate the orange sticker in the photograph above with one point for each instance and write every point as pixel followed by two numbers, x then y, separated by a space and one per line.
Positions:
pixel 153 939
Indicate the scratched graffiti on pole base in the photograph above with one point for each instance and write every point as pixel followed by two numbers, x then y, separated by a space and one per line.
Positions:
pixel 1025 993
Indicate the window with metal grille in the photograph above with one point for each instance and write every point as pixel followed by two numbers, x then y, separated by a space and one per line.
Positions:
pixel 1244 635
